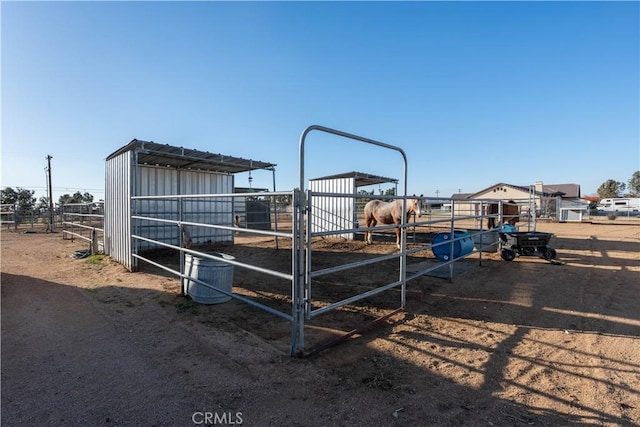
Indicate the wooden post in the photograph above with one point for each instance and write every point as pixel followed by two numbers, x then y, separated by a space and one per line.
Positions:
pixel 94 242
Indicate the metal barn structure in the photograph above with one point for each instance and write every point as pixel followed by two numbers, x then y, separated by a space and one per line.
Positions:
pixel 332 211
pixel 138 175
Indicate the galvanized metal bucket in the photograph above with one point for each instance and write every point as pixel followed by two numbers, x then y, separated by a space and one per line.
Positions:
pixel 213 272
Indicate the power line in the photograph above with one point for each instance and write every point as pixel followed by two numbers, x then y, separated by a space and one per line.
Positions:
pixel 99 190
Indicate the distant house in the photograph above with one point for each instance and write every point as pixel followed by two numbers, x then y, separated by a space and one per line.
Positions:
pixel 547 200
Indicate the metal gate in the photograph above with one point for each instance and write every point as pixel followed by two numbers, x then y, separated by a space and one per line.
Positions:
pixel 302 274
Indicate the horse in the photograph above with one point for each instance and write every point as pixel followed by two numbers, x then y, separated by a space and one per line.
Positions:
pixel 377 211
pixel 510 210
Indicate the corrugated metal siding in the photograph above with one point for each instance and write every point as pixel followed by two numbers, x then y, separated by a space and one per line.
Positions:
pixel 333 213
pixel 159 181
pixel 120 177
pixel 218 210
pixel 117 209
pixel 156 181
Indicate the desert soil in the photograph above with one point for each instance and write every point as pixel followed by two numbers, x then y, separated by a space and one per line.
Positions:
pixel 85 342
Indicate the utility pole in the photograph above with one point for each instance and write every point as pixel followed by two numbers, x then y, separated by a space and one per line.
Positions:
pixel 51 214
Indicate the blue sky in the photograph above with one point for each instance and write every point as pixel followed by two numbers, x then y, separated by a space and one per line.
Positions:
pixel 475 93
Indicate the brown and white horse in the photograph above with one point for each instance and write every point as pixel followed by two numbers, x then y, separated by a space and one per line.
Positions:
pixel 377 211
pixel 510 211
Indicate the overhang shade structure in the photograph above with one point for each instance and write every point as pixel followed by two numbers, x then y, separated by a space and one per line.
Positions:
pixel 334 207
pixel 146 168
pixel 361 179
pixel 152 153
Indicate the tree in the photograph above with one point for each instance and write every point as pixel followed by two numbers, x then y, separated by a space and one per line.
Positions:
pixel 43 204
pixel 361 201
pixel 8 196
pixel 634 185
pixel 21 197
pixel 611 188
pixel 77 197
pixel 283 200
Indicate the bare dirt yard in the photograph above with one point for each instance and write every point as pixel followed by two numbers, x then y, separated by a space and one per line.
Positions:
pixel 85 342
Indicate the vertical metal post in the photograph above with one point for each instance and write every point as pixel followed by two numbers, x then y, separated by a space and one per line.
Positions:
pixel 52 225
pixel 481 231
pixel 64 225
pixel 275 206
pixel 133 209
pixel 452 243
pixel 403 251
pixel 307 256
pixel 297 259
pixel 182 245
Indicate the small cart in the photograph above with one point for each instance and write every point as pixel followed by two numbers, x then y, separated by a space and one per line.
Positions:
pixel 527 243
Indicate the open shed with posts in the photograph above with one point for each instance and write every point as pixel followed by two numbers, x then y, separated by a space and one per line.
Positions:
pixel 146 168
pixel 336 205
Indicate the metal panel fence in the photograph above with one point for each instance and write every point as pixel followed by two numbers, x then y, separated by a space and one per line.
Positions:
pixel 185 226
pixel 84 221
pixel 304 303
pixel 8 216
pixel 469 220
pixel 163 221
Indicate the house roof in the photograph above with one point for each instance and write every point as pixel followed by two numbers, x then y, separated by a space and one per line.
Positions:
pixel 563 190
pixel 568 190
pixel 361 179
pixel 495 186
pixel 461 196
pixel 152 153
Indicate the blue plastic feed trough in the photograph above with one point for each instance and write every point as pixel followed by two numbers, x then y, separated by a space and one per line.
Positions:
pixel 441 245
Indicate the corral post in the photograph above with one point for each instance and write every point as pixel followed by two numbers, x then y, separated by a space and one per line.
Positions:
pixel 403 250
pixel 181 239
pixel 298 285
pixel 453 236
pixel 94 241
pixel 275 207
pixel 481 232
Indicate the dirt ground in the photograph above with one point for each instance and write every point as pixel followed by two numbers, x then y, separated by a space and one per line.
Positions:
pixel 85 342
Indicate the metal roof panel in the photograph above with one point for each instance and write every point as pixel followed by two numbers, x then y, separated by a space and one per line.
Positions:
pixel 361 179
pixel 152 153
